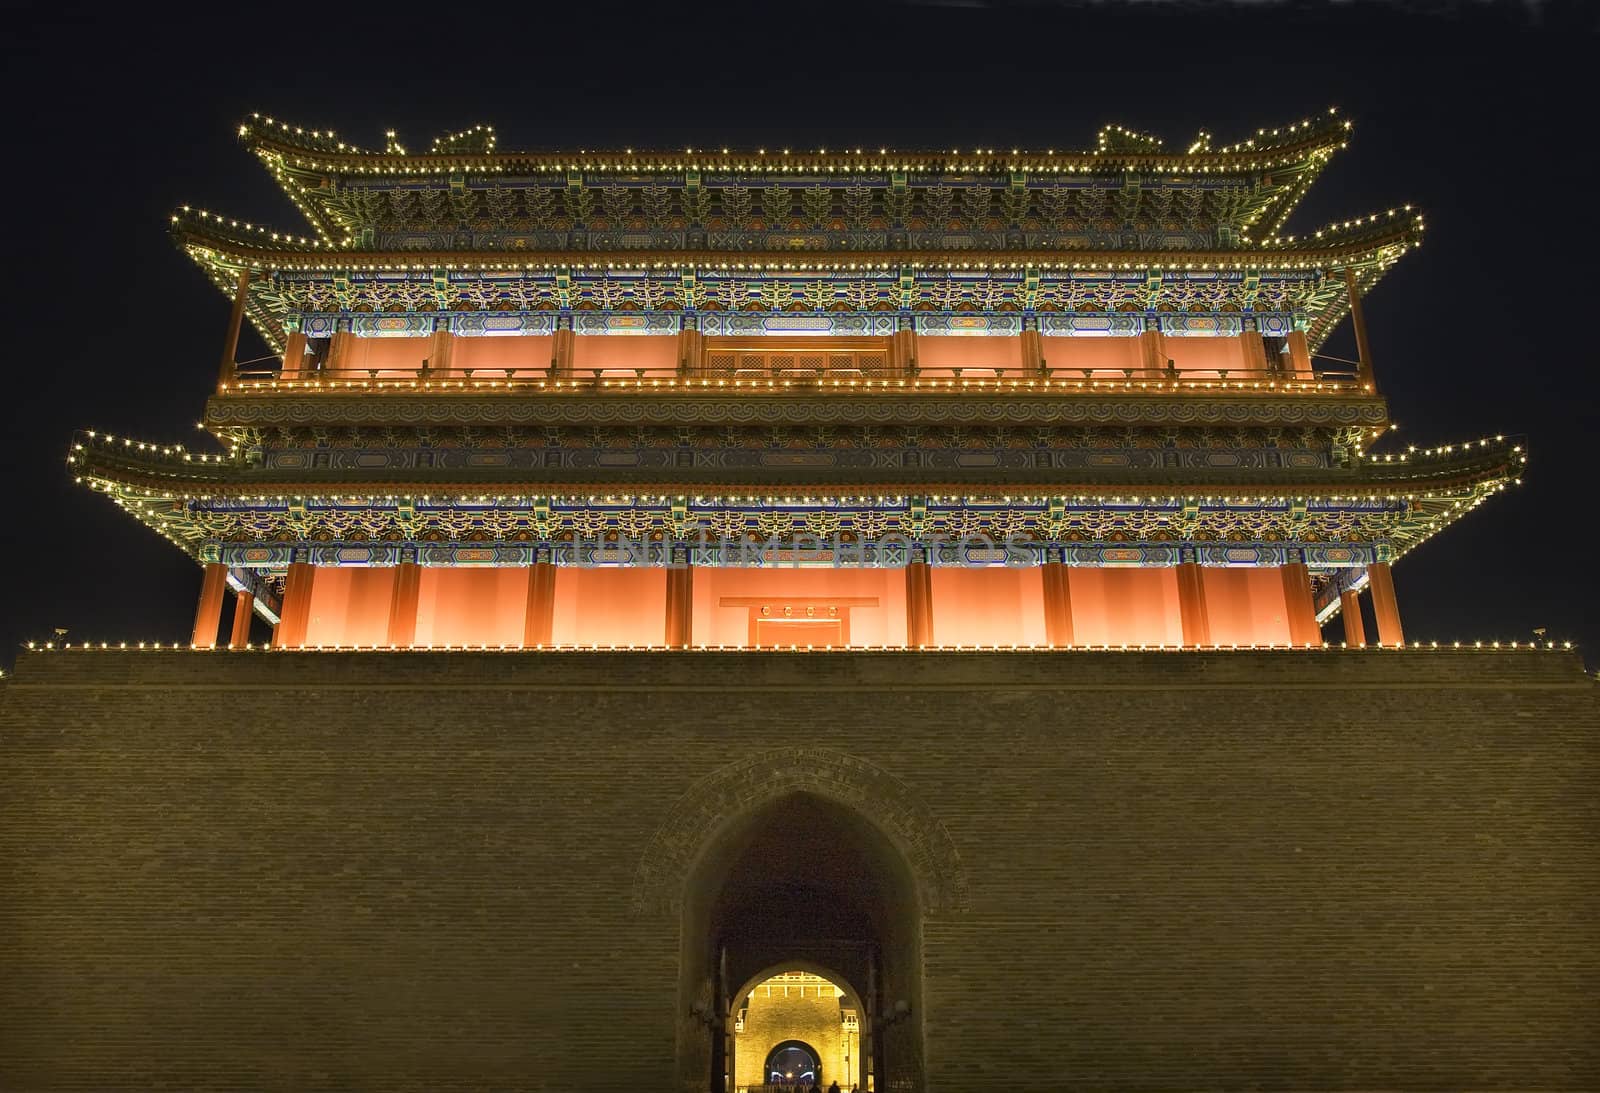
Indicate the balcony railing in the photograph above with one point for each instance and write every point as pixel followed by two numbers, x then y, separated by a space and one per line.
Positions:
pixel 800 364
pixel 801 373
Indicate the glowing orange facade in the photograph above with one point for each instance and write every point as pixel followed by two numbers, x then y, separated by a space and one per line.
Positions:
pixel 743 399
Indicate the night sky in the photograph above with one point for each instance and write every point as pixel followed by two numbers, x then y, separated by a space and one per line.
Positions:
pixel 1480 114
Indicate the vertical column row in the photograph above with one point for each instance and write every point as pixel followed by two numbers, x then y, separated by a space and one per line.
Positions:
pixel 208 613
pixel 1055 589
pixel 1385 609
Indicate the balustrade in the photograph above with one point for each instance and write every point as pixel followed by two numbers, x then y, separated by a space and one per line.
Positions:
pixel 804 367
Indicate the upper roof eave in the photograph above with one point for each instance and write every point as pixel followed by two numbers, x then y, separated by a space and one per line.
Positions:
pixel 1300 144
pixel 1337 250
pixel 1448 470
pixel 309 163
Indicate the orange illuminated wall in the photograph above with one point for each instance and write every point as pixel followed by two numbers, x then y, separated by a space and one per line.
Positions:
pixel 996 606
pixel 940 354
pixel 618 605
pixel 717 622
pixel 1133 606
pixel 1245 606
pixel 350 606
pixel 622 354
pixel 524 351
pixel 390 356
pixel 817 606
pixel 472 606
pixel 1205 354
pixel 1068 356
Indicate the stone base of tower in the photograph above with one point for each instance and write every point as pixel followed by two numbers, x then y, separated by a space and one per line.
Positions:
pixel 1329 870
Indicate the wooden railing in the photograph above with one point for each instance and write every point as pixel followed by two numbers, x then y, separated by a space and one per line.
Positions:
pixel 799 364
pixel 799 370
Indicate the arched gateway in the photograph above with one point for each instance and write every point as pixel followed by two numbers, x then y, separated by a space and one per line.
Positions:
pixel 803 859
pixel 793 1063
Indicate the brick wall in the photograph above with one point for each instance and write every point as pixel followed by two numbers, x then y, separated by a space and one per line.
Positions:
pixel 1369 870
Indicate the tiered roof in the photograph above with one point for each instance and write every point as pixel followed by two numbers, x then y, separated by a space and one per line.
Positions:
pixel 1126 210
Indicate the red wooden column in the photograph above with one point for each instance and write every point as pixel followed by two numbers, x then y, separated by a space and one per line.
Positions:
pixel 1032 352
pixel 1153 353
pixel 1355 630
pixel 230 348
pixel 208 615
pixel 561 344
pixel 919 604
pixel 440 343
pixel 1384 606
pixel 1192 605
pixel 244 605
pixel 1299 608
pixel 340 349
pixel 296 608
pixel 903 352
pixel 1057 604
pixel 1254 350
pixel 294 355
pixel 403 604
pixel 1358 319
pixel 538 620
pixel 680 605
pixel 1299 354
pixel 691 352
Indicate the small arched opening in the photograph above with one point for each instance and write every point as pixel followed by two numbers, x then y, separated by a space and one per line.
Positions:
pixel 793 1064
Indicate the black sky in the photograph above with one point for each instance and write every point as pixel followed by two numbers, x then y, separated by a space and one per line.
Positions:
pixel 1481 114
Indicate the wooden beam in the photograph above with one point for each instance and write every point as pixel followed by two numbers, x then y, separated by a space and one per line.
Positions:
pixel 244 605
pixel 208 614
pixel 230 349
pixel 1299 607
pixel 1192 614
pixel 1057 580
pixel 295 617
pixel 919 604
pixel 538 620
pixel 1384 605
pixel 403 604
pixel 1355 630
pixel 680 606
pixel 1358 319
